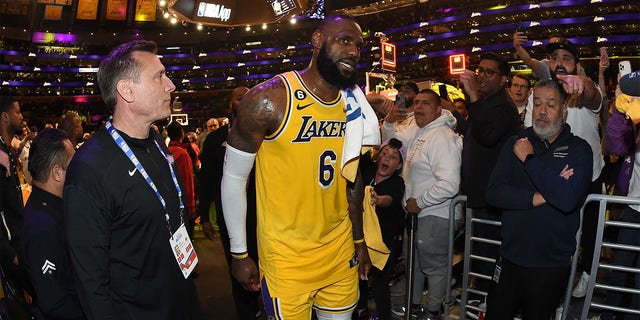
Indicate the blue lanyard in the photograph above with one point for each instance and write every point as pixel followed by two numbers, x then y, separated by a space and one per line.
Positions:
pixel 132 157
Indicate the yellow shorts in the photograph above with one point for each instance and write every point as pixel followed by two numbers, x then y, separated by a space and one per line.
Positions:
pixel 340 297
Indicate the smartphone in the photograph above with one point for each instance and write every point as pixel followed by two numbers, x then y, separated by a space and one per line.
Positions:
pixel 624 67
pixel 442 92
pixel 521 28
pixel 401 100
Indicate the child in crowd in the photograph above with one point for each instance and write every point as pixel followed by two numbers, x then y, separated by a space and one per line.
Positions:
pixel 388 190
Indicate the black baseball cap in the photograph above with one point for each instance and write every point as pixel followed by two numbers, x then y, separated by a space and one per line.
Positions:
pixel 409 84
pixel 630 84
pixel 563 44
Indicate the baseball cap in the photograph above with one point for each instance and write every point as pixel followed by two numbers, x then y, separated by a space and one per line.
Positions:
pixel 394 144
pixel 409 84
pixel 563 44
pixel 630 84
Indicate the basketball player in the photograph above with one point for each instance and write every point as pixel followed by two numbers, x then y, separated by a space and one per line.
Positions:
pixel 310 239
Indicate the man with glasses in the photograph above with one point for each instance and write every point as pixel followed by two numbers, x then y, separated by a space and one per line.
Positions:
pixel 493 118
pixel 519 91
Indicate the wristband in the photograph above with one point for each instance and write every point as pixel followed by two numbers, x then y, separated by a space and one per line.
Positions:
pixel 239 256
pixel 361 240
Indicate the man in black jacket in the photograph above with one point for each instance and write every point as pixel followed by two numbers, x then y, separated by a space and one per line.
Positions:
pixel 44 244
pixel 212 160
pixel 493 117
pixel 125 215
pixel 540 181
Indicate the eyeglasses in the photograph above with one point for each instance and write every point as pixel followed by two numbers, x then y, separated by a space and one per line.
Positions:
pixel 520 86
pixel 486 72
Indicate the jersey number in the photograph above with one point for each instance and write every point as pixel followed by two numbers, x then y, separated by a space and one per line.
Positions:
pixel 327 171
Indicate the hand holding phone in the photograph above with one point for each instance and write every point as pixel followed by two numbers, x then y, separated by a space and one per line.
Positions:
pixel 520 36
pixel 624 67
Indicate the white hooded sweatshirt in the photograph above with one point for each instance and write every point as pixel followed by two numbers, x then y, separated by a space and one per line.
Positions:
pixel 432 168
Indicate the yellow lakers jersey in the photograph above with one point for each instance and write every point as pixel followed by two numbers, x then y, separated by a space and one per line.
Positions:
pixel 304 231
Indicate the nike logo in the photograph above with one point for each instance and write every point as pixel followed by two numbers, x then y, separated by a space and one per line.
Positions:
pixel 299 107
pixel 132 172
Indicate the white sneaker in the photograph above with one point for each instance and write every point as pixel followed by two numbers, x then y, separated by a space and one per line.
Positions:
pixel 559 311
pixel 581 288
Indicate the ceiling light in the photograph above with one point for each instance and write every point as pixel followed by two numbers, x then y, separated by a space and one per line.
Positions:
pixel 247 28
pixel 264 26
pixel 173 20
pixel 293 20
pixel 199 26
pixel 166 15
pixel 162 3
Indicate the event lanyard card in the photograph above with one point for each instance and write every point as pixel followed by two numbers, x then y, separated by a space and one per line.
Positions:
pixel 183 250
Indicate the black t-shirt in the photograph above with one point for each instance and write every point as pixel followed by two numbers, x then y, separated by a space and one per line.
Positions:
pixel 392 218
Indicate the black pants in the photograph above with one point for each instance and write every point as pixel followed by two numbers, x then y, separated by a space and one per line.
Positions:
pixel 537 292
pixel 247 303
pixel 380 288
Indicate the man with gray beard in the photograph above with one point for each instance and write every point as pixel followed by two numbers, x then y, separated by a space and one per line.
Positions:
pixel 582 115
pixel 540 181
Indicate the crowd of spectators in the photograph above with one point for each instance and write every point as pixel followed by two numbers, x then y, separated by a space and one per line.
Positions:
pixel 213 65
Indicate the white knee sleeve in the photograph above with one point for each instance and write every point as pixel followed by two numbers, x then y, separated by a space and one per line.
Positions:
pixel 333 316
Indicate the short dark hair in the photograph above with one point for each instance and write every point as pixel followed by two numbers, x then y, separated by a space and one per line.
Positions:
pixel 460 100
pixel 6 102
pixel 47 150
pixel 175 131
pixel 435 95
pixel 554 84
pixel 118 65
pixel 503 65
pixel 66 121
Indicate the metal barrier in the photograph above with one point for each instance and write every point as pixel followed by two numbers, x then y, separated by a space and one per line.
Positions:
pixel 592 285
pixel 452 229
pixel 469 256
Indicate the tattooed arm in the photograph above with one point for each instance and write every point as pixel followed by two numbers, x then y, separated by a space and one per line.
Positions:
pixel 260 113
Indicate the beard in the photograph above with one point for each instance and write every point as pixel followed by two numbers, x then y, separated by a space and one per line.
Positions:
pixel 562 70
pixel 330 72
pixel 549 131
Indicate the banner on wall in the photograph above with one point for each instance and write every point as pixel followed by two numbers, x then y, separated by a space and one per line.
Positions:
pixel 146 10
pixel 52 12
pixel 17 7
pixel 116 9
pixel 87 10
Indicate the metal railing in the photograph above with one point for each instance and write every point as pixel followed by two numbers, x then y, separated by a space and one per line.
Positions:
pixel 603 200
